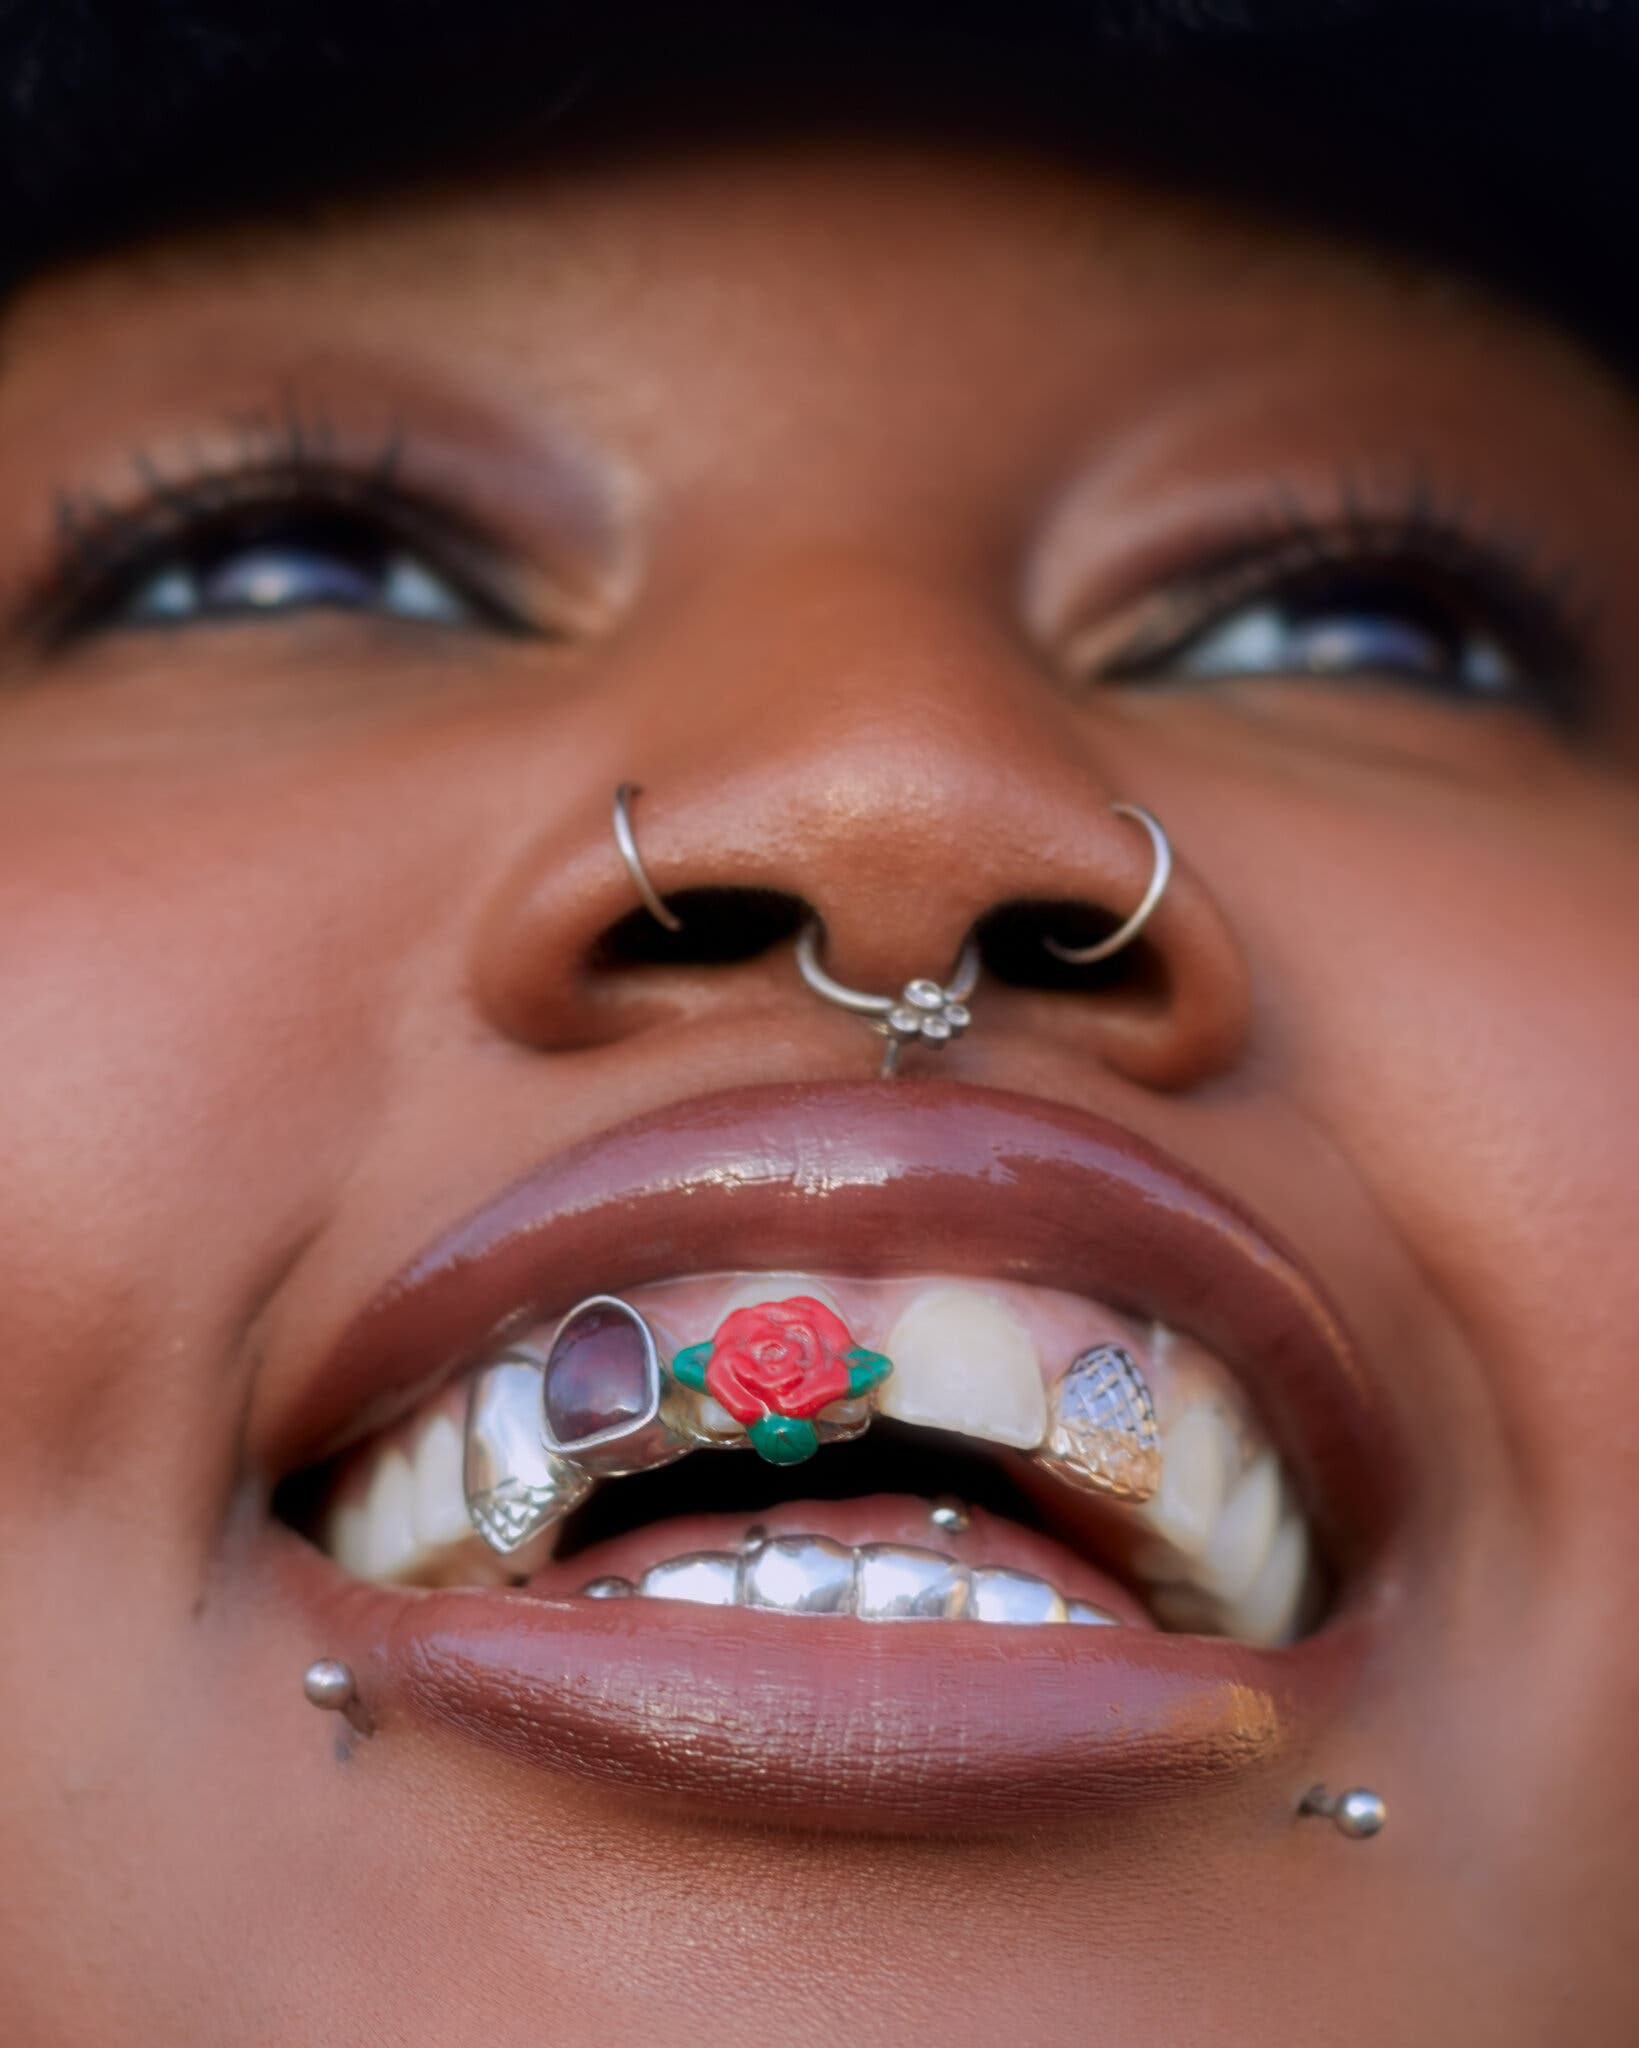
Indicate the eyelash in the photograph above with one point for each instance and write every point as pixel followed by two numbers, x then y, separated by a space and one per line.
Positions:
pixel 293 470
pixel 1492 580
pixel 1485 578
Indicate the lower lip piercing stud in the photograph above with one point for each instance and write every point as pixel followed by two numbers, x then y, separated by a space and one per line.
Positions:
pixel 782 1378
pixel 1357 1814
pixel 1161 875
pixel 330 1684
pixel 653 902
pixel 928 1013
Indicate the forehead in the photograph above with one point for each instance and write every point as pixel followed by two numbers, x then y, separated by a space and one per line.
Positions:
pixel 882 301
pixel 895 217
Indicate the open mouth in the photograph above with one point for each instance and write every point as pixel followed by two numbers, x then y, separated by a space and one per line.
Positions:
pixel 1033 1458
pixel 1024 1386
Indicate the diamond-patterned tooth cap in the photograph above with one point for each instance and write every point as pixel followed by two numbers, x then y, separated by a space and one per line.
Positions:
pixel 1102 1435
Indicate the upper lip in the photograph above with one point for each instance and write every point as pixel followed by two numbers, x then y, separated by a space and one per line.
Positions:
pixel 921 1176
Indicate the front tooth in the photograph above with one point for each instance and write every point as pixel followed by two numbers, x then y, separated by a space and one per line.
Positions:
pixel 601 1391
pixel 1245 1531
pixel 896 1582
pixel 1267 1613
pixel 962 1361
pixel 1103 1436
pixel 705 1577
pixel 1196 1454
pixel 997 1594
pixel 1089 1616
pixel 703 1420
pixel 761 1287
pixel 515 1488
pixel 798 1575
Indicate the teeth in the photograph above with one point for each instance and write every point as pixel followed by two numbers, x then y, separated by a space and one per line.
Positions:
pixel 1089 1616
pixel 601 1392
pixel 389 1525
pixel 1245 1530
pixel 1207 1524
pixel 705 1577
pixel 1197 1454
pixel 895 1582
pixel 515 1488
pixel 878 1582
pixel 998 1595
pixel 799 1575
pixel 962 1361
pixel 1269 1611
pixel 1103 1435
pixel 439 1508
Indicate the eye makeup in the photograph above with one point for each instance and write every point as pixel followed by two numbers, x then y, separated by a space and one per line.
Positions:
pixel 1414 589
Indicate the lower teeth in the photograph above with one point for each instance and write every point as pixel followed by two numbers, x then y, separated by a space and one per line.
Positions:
pixel 876 1582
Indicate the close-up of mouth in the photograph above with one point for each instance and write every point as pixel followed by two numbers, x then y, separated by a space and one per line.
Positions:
pixel 901 1399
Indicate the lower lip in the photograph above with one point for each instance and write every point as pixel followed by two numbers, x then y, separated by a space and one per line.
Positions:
pixel 909 1726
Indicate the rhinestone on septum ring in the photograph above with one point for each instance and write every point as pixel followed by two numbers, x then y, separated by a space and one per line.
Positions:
pixel 925 1012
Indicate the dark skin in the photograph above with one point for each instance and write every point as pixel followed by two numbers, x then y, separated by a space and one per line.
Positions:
pixel 831 484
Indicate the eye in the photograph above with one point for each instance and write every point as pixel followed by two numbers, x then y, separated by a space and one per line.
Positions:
pixel 1353 625
pixel 288 562
pixel 1350 622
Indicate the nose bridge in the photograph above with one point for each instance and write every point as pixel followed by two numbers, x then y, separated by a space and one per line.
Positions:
pixel 878 745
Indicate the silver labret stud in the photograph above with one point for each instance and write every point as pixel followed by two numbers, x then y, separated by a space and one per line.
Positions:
pixel 1357 1814
pixel 947 1512
pixel 330 1684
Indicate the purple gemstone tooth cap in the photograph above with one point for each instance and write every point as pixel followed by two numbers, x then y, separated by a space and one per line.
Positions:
pixel 601 1381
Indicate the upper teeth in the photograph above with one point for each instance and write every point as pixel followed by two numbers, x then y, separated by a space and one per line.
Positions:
pixel 1212 1524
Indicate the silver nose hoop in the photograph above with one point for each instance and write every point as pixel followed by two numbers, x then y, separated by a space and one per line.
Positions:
pixel 626 840
pixel 1160 876
pixel 926 1012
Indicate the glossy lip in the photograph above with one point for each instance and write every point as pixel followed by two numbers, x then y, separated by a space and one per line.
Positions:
pixel 926 1727
pixel 929 1725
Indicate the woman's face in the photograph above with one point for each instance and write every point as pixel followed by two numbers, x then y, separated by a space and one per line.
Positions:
pixel 887 515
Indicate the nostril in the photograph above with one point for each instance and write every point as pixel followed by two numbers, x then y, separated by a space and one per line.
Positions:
pixel 1013 939
pixel 719 927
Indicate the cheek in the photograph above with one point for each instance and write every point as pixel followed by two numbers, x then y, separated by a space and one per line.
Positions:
pixel 190 1060
pixel 1475 1011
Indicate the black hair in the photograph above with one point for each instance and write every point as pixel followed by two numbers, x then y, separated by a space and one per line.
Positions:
pixel 1497 134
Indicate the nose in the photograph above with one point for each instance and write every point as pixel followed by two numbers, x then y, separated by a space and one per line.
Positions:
pixel 840 743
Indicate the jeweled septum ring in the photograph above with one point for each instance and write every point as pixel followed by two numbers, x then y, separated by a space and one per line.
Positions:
pixel 925 1012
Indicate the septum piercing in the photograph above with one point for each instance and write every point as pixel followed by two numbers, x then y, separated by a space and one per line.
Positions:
pixel 330 1684
pixel 925 1012
pixel 621 819
pixel 1084 956
pixel 1357 1814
